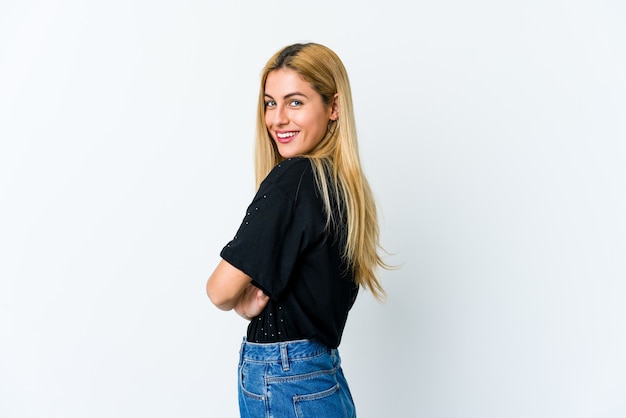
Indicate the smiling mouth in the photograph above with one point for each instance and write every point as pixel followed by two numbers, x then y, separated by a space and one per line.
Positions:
pixel 284 137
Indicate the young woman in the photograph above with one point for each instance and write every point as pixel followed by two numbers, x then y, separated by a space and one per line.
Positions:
pixel 307 242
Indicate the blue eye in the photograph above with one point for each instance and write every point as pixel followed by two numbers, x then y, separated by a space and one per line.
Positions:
pixel 270 103
pixel 295 103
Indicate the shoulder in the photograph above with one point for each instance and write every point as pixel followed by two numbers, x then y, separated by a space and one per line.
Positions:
pixel 291 173
pixel 292 178
pixel 288 168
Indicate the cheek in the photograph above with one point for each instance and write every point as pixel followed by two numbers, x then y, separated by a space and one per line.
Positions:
pixel 268 121
pixel 320 126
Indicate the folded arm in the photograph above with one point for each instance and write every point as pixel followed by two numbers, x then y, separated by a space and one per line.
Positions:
pixel 230 288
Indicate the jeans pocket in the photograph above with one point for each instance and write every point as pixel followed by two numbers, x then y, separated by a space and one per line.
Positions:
pixel 251 380
pixel 327 403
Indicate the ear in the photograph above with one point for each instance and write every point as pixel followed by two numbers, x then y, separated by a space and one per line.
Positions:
pixel 334 108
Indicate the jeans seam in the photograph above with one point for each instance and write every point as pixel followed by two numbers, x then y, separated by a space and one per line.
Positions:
pixel 304 376
pixel 278 359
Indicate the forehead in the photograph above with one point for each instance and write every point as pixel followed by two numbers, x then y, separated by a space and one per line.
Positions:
pixel 286 81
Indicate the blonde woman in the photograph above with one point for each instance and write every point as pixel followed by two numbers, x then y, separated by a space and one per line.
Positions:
pixel 307 242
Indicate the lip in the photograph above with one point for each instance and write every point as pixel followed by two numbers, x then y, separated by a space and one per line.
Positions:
pixel 286 139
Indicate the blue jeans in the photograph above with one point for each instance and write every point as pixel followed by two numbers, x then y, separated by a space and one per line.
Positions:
pixel 292 379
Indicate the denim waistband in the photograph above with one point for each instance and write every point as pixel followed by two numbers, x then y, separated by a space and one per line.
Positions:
pixel 281 351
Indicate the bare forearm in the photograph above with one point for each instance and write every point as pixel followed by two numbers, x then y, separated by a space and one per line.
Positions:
pixel 226 286
pixel 251 303
pixel 229 288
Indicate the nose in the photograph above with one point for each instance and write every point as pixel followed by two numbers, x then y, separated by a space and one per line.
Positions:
pixel 280 116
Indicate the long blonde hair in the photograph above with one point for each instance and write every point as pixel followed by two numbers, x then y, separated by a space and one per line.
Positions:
pixel 335 160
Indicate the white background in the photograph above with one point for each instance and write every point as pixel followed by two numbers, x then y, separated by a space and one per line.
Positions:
pixel 492 134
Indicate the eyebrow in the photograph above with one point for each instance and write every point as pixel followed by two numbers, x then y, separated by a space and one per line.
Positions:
pixel 287 96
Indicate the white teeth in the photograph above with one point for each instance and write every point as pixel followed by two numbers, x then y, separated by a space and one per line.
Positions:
pixel 286 135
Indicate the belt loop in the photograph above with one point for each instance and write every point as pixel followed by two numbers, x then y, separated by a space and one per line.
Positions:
pixel 283 357
pixel 241 350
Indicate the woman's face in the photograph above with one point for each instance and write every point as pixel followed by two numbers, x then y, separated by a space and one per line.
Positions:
pixel 295 115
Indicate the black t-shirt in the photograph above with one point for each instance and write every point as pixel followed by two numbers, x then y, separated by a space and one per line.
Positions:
pixel 284 245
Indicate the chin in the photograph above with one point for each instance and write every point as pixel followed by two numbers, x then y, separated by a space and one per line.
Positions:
pixel 287 154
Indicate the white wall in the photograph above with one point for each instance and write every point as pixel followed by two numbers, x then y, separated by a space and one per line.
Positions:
pixel 493 135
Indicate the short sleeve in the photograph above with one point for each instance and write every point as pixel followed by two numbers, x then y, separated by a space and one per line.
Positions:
pixel 268 242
